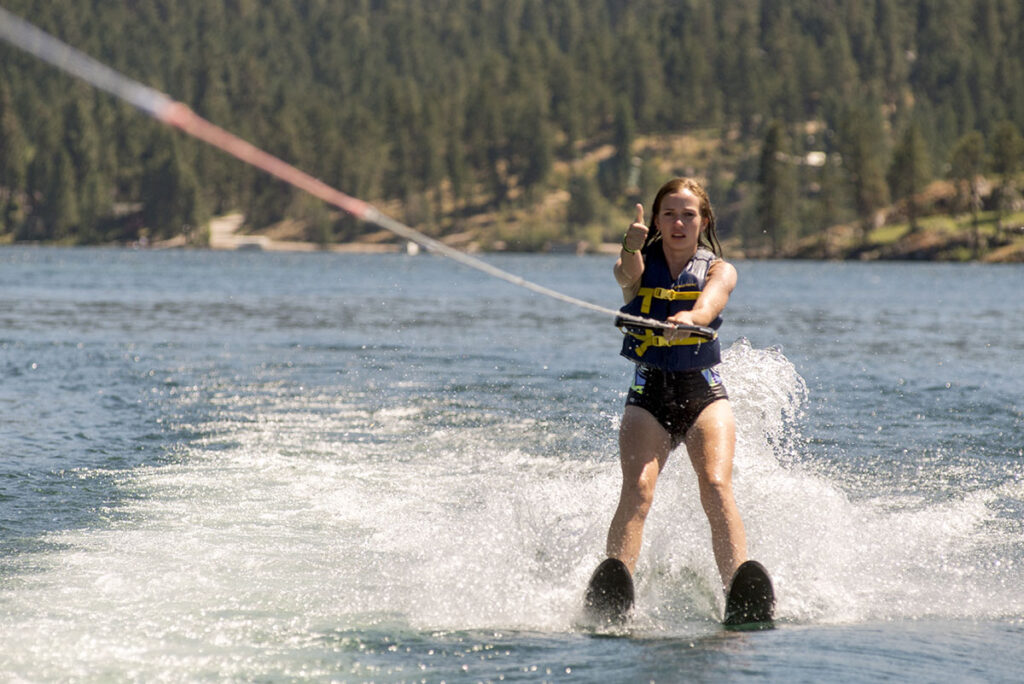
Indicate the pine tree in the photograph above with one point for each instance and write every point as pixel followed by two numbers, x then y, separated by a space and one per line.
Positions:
pixel 455 162
pixel 862 145
pixel 910 172
pixel 14 160
pixel 1007 159
pixel 777 197
pixel 82 141
pixel 60 209
pixel 782 42
pixel 613 172
pixel 742 65
pixel 213 166
pixel 172 202
pixel 538 151
pixel 966 165
pixel 584 203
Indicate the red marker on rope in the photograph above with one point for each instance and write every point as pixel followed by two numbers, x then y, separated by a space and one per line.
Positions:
pixel 26 36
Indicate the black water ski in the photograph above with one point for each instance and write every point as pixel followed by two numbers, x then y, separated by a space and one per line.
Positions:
pixel 609 595
pixel 751 599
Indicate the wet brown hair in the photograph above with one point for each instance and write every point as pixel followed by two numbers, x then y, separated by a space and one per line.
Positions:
pixel 708 236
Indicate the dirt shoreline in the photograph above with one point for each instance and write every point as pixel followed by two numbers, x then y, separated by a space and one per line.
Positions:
pixel 922 246
pixel 224 236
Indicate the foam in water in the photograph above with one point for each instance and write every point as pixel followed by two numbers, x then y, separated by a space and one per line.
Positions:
pixel 270 535
pixel 839 560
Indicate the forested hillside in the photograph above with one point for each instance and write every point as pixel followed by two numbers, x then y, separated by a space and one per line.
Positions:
pixel 800 114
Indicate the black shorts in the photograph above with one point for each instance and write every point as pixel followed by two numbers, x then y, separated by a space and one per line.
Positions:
pixel 675 399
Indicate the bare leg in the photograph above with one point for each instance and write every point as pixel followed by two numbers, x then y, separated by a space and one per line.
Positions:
pixel 644 446
pixel 711 443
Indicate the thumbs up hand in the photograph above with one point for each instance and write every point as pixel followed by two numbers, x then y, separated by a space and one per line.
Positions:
pixel 636 234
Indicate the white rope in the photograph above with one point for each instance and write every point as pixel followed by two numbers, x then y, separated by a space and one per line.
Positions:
pixel 31 39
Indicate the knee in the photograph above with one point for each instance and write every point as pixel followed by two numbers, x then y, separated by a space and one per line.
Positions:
pixel 639 491
pixel 715 488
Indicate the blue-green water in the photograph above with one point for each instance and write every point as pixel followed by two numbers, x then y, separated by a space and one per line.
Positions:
pixel 265 467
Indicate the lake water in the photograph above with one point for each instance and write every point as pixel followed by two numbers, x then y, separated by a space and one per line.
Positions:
pixel 280 467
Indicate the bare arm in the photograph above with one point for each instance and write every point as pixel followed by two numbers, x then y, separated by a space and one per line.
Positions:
pixel 720 283
pixel 630 266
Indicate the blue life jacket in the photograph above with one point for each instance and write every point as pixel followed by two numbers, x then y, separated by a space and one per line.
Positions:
pixel 660 297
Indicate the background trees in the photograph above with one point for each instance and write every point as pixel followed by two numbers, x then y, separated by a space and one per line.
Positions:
pixel 1007 159
pixel 460 106
pixel 910 171
pixel 777 180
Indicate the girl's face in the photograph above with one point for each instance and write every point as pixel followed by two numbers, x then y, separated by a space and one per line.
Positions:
pixel 679 221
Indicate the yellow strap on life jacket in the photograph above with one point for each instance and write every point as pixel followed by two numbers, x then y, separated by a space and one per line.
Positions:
pixel 650 339
pixel 649 293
